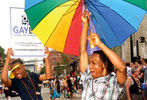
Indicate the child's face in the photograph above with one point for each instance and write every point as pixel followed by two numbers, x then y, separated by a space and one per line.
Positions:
pixel 19 72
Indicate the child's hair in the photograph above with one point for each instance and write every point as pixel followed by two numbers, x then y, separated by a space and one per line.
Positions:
pixel 17 61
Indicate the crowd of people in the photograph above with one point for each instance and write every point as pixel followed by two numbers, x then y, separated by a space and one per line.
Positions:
pixel 64 85
pixel 98 79
pixel 136 84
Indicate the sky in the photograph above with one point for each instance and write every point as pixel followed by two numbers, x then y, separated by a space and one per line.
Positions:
pixel 4 24
pixel 5 35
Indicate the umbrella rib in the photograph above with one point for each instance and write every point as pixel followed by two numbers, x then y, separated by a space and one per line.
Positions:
pixel 76 15
pixel 57 6
pixel 72 21
pixel 57 25
pixel 122 18
pixel 36 4
pixel 96 19
pixel 66 5
pixel 117 14
pixel 76 1
pixel 45 14
pixel 69 4
pixel 71 10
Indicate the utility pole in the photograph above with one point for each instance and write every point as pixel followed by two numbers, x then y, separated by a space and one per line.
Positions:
pixel 131 48
pixel 137 50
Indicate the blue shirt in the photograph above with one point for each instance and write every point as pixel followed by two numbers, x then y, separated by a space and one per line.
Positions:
pixel 20 88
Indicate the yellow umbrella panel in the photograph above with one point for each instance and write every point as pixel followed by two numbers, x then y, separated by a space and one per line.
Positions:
pixel 53 29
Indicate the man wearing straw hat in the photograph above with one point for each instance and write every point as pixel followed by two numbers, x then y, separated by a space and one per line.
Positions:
pixel 26 84
pixel 99 80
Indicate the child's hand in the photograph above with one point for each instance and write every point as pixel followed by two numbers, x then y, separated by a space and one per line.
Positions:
pixel 46 51
pixel 10 52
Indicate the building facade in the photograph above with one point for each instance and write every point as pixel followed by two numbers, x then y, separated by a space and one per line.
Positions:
pixel 56 57
pixel 139 43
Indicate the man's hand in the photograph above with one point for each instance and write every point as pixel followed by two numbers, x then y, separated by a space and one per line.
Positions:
pixel 95 38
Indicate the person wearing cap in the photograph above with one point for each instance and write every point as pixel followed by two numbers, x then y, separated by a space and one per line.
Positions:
pixel 26 84
pixel 100 82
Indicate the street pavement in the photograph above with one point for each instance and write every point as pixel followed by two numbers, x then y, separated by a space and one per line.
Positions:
pixel 46 96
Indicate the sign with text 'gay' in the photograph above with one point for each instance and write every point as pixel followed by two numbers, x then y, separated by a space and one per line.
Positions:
pixel 24 42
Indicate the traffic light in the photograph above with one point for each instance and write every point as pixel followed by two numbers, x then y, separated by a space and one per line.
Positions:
pixel 141 39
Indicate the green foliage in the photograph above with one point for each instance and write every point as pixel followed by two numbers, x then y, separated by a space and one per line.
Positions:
pixel 65 59
pixel 64 65
pixel 2 57
pixel 27 70
pixel 117 50
pixel 66 62
pixel 42 70
pixel 59 69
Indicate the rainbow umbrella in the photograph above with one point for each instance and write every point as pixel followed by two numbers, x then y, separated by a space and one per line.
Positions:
pixel 58 25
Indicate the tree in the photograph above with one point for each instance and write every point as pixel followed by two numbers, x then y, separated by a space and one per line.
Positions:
pixel 117 50
pixel 59 69
pixel 66 62
pixel 65 59
pixel 2 57
pixel 42 70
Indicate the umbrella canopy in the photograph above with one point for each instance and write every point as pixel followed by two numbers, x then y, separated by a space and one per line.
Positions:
pixel 58 25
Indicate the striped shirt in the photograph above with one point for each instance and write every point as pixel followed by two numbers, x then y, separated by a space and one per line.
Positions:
pixel 102 88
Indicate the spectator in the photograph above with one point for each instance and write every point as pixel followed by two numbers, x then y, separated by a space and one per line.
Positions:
pixel 54 93
pixel 69 83
pixel 1 88
pixel 133 85
pixel 7 92
pixel 129 72
pixel 58 85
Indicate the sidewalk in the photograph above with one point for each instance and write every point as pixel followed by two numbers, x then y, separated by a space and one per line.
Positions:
pixel 46 96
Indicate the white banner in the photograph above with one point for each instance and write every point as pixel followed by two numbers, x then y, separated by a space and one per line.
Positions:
pixel 24 42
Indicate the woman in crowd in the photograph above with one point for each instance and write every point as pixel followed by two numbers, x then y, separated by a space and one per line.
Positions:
pixel 133 85
pixel 53 92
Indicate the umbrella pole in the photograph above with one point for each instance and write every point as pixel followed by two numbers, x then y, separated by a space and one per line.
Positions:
pixel 88 18
pixel 91 42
